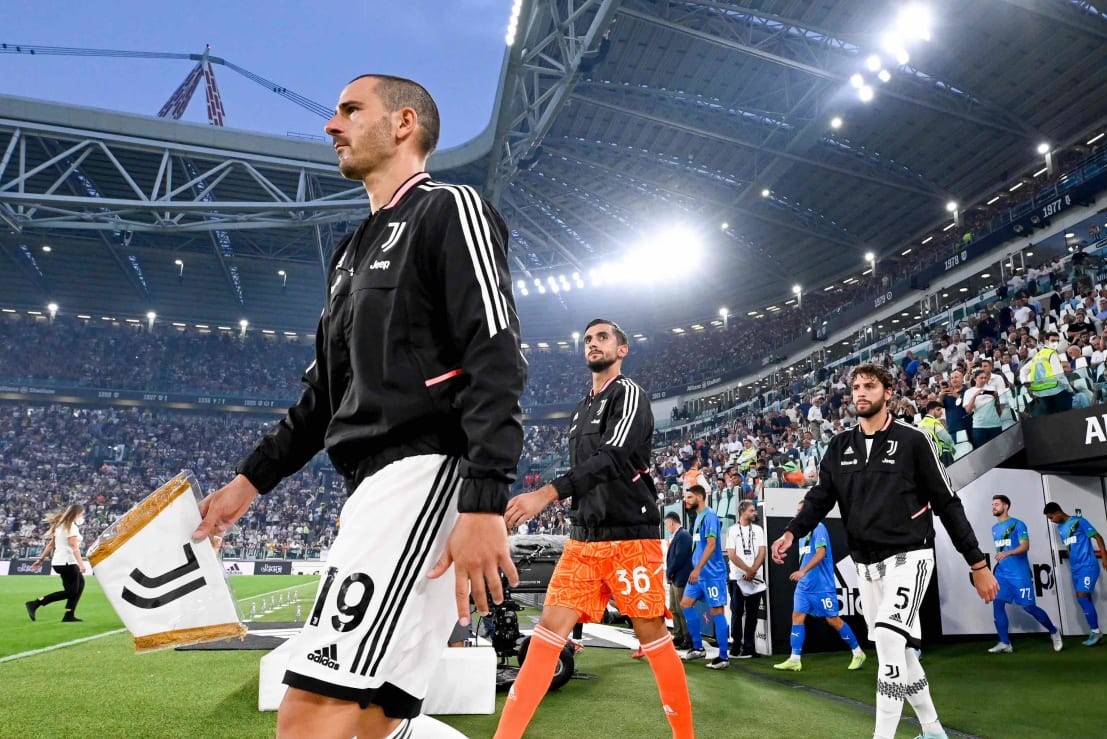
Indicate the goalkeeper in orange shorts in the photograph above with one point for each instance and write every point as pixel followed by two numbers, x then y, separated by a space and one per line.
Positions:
pixel 614 547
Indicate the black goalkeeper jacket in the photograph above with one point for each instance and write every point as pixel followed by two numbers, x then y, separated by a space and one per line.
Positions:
pixel 417 351
pixel 609 457
pixel 887 501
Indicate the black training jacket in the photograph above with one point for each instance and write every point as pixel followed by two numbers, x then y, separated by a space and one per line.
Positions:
pixel 887 502
pixel 609 457
pixel 417 351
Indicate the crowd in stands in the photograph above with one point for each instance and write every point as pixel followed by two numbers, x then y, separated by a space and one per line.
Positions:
pixel 130 356
pixel 108 459
pixel 973 378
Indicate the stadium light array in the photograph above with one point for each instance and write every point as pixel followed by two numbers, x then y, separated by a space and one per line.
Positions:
pixel 873 63
pixel 1043 148
pixel 951 206
pixel 836 122
pixel 1094 139
pixel 725 225
pixel 513 23
pixel 47 248
pixel 766 192
pixel 866 94
pixel 884 75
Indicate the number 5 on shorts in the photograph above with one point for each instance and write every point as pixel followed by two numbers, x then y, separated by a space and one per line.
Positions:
pixel 640 583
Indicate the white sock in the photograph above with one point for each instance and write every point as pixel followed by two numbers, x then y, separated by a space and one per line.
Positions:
pixel 891 680
pixel 858 651
pixel 918 695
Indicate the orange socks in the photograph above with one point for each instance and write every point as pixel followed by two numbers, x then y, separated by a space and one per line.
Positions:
pixel 672 684
pixel 534 680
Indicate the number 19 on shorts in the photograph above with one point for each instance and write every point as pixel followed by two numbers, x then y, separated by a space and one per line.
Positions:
pixel 637 580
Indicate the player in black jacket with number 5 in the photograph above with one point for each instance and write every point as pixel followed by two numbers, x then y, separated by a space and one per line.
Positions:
pixel 887 480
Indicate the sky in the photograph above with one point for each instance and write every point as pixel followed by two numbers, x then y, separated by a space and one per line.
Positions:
pixel 453 47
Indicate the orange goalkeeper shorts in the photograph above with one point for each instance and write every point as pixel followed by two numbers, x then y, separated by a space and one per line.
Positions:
pixel 590 573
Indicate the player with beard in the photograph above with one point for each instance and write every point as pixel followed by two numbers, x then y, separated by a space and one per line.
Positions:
pixel 888 482
pixel 614 547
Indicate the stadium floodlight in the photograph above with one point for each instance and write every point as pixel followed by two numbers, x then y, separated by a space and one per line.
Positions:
pixel 869 257
pixel 951 206
pixel 653 258
pixel 902 57
pixel 284 277
pixel 53 309
pixel 47 248
pixel 865 94
pixel 797 289
pixel 725 225
pixel 915 22
pixel 522 284
pixel 243 324
pixel 178 262
pixel 766 192
pixel 151 315
pixel 873 63
pixel 884 75
pixel 1043 148
pixel 856 81
pixel 513 23
pixel 724 312
pixel 836 122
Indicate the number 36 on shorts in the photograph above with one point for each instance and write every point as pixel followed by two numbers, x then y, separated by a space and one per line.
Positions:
pixel 637 580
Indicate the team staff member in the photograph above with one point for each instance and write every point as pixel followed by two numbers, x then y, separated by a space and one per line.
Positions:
pixel 613 547
pixel 414 393
pixel 887 480
pixel 1016 583
pixel 65 545
pixel 745 548
pixel 678 565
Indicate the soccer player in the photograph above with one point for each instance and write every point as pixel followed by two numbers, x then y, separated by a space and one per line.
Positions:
pixel 414 393
pixel 1077 534
pixel 614 547
pixel 1016 584
pixel 817 595
pixel 707 582
pixel 888 481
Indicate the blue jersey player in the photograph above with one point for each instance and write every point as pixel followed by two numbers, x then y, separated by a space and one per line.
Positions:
pixel 1012 570
pixel 1077 534
pixel 707 582
pixel 816 595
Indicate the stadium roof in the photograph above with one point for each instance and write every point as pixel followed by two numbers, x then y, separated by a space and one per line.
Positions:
pixel 615 122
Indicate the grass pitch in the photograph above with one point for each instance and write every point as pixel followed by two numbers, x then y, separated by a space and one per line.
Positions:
pixel 99 687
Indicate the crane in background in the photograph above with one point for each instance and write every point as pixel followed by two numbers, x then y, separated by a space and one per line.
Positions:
pixel 178 102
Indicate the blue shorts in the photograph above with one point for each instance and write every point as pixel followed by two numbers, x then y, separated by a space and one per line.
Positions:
pixel 824 605
pixel 1014 591
pixel 712 592
pixel 1084 579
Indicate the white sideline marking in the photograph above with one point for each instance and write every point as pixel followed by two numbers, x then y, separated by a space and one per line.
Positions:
pixel 52 647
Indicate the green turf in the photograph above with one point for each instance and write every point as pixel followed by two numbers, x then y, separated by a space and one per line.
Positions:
pixel 114 692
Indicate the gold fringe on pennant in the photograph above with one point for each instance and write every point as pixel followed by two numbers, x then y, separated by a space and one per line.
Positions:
pixel 185 637
pixel 135 519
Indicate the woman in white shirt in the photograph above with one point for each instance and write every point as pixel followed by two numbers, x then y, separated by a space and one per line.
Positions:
pixel 65 544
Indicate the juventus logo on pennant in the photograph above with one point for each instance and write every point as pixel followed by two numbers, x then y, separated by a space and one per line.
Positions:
pixel 157 581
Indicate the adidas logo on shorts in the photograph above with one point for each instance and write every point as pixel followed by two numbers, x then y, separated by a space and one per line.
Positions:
pixel 327 656
pixel 895 617
pixel 642 606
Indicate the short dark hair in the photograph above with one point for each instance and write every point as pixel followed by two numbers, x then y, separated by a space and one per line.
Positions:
pixel 620 334
pixel 1002 499
pixel 1051 507
pixel 697 490
pixel 672 516
pixel 746 504
pixel 1052 335
pixel 881 375
pixel 932 405
pixel 399 92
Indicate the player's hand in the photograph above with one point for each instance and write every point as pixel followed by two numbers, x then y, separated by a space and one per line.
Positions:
pixel 223 507
pixel 781 547
pixel 523 508
pixel 478 550
pixel 796 576
pixel 1000 556
pixel 985 583
pixel 694 576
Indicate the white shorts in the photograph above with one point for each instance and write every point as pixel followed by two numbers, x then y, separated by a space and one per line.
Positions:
pixel 378 626
pixel 892 592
